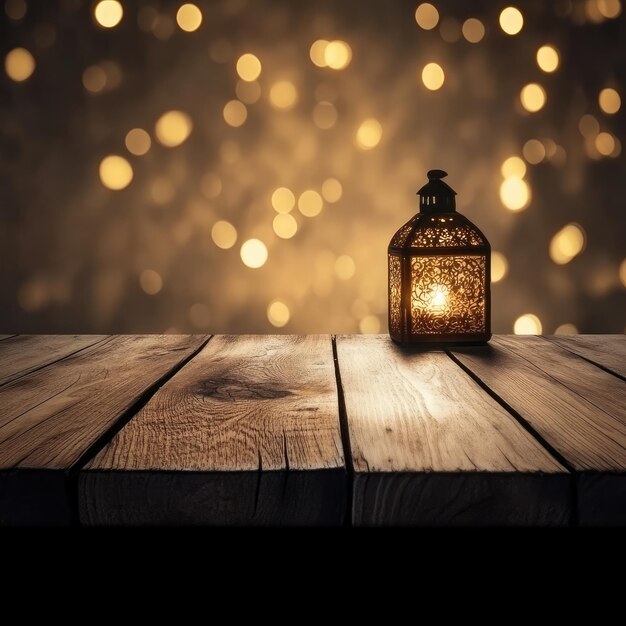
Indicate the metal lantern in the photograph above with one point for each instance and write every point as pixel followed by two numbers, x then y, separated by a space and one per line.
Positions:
pixel 439 273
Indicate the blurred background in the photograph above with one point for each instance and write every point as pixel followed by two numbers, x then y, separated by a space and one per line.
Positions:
pixel 241 165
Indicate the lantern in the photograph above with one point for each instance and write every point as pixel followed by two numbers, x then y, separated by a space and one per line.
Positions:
pixel 439 274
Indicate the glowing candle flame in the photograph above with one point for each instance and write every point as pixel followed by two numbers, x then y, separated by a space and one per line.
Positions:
pixel 439 298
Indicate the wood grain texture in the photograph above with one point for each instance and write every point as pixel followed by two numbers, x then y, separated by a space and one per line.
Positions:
pixel 589 438
pixel 418 414
pixel 577 408
pixel 608 351
pixel 23 354
pixel 3 337
pixel 248 405
pixel 51 417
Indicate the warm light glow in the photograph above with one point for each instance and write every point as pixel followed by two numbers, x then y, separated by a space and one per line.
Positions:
pixel 248 92
pixel 285 225
pixel 94 79
pixel 567 243
pixel 369 134
pixel 173 128
pixel 108 13
pixel 588 126
pixel 513 167
pixel 151 282
pixel 317 52
pixel 189 17
pixel 162 190
pixel 235 113
pixel 224 235
pixel 15 9
pixel 345 267
pixel 278 313
pixel 473 30
pixel 527 324
pixel 324 115
pixel 137 141
pixel 115 172
pixel 534 151
pixel 514 193
pixel 499 267
pixel 369 324
pixel 511 21
pixel 310 203
pixel 337 54
pixel 248 67
pixel 533 97
pixel 609 8
pixel 332 190
pixel 283 95
pixel 548 58
pixel 438 298
pixel 433 76
pixel 426 16
pixel 283 200
pixel 19 64
pixel 609 101
pixel 566 329
pixel 605 143
pixel 253 253
pixel 622 272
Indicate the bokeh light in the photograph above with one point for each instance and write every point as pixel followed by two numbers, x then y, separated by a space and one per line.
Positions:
pixel 514 166
pixel 337 55
pixel 332 190
pixel 511 20
pixel 15 9
pixel 548 58
pixel 473 30
pixel 19 64
pixel 283 200
pixel 369 324
pixel 345 267
pixel 533 97
pixel 514 193
pixel 285 225
pixel 248 67
pixel 115 172
pixel 310 203
pixel 369 134
pixel 534 151
pixel 278 313
pixel 527 324
pixel 325 115
pixel 235 113
pixel 108 13
pixel 426 16
pixel 283 95
pixel 499 266
pixel 433 76
pixel 173 128
pixel 609 101
pixel 189 17
pixel 254 253
pixel 317 52
pixel 566 329
pixel 605 143
pixel 224 234
pixel 137 141
pixel 151 282
pixel 568 243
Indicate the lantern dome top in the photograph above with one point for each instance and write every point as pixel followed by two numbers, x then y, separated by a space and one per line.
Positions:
pixel 437 196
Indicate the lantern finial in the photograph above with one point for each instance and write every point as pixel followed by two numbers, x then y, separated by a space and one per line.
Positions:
pixel 437 196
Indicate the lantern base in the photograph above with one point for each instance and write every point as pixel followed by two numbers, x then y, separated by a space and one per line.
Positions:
pixel 437 341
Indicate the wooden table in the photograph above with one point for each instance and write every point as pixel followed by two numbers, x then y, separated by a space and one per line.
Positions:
pixel 311 430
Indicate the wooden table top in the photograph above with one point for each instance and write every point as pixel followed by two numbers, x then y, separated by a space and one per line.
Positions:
pixel 311 430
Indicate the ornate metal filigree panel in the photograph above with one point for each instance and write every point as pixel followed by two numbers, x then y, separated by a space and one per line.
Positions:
pixel 448 294
pixel 395 294
pixel 448 237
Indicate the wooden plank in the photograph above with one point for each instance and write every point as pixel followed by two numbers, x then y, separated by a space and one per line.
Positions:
pixel 26 353
pixel 608 351
pixel 50 418
pixel 247 433
pixel 430 447
pixel 567 402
